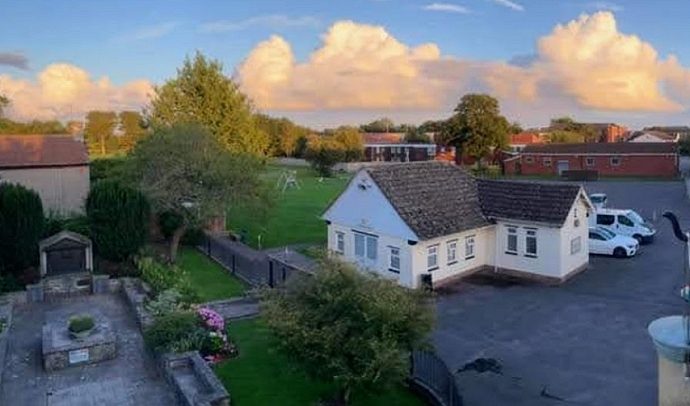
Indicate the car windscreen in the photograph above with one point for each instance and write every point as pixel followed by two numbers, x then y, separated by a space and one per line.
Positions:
pixel 636 218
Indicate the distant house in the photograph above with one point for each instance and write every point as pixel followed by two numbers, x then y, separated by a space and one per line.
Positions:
pixel 652 136
pixel 682 132
pixel 608 132
pixel 55 166
pixel 519 141
pixel 391 147
pixel 657 159
pixel 432 221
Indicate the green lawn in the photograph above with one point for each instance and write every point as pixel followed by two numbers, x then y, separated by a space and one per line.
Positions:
pixel 295 215
pixel 209 280
pixel 261 377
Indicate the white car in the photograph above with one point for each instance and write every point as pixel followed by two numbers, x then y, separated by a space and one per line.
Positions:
pixel 605 242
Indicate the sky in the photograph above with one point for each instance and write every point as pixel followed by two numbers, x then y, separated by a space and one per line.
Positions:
pixel 327 63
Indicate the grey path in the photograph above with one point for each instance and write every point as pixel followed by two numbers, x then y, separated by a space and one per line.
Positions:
pixel 235 309
pixel 128 380
pixel 585 341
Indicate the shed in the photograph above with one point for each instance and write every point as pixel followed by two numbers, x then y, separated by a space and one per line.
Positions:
pixel 64 253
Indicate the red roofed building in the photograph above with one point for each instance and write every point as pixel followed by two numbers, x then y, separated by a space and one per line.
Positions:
pixel 55 166
pixel 519 141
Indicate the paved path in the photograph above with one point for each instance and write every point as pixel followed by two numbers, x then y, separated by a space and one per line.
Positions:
pixel 234 309
pixel 128 380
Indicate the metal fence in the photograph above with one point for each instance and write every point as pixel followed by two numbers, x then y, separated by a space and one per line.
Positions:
pixel 430 375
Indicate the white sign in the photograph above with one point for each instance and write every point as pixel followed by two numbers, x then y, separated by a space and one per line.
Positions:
pixel 78 356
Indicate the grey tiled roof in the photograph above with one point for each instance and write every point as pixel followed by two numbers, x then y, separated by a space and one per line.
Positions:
pixel 433 198
pixel 544 202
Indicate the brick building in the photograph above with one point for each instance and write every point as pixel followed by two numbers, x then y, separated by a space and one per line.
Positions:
pixel 391 147
pixel 608 132
pixel 519 141
pixel 607 159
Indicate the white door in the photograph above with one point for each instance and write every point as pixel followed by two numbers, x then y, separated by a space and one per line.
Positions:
pixel 563 166
pixel 624 225
pixel 597 244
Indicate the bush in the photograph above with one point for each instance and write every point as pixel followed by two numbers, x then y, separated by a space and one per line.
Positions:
pixel 78 324
pixel 21 228
pixel 168 222
pixel 161 277
pixel 119 219
pixel 168 301
pixel 55 223
pixel 170 329
pixel 107 169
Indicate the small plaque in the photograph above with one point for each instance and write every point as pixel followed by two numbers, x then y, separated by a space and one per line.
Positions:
pixel 78 356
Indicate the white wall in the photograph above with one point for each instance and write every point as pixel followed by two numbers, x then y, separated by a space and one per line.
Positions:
pixel 646 137
pixel 572 262
pixel 483 250
pixel 62 190
pixel 381 265
pixel 548 259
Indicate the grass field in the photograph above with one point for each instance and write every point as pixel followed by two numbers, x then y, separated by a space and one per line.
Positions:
pixel 210 281
pixel 261 377
pixel 295 215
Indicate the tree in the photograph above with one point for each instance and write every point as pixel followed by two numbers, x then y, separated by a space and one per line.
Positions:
pixel 4 102
pixel 283 134
pixel 347 327
pixel 415 135
pixel 21 228
pixel 119 219
pixel 587 133
pixel 514 128
pixel 323 153
pixel 564 136
pixel 382 125
pixel 98 131
pixel 477 126
pixel 186 171
pixel 202 94
pixel 351 141
pixel 431 126
pixel 132 129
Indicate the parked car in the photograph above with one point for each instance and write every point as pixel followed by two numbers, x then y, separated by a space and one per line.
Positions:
pixel 605 242
pixel 623 222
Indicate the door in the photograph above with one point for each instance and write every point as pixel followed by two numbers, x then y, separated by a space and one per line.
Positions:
pixel 563 166
pixel 624 225
pixel 596 243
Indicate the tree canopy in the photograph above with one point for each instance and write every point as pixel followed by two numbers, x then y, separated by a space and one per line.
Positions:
pixel 564 136
pixel 569 125
pixel 184 170
pixel 477 126
pixel 202 94
pixel 284 135
pixel 132 129
pixel 347 327
pixel 416 135
pixel 99 132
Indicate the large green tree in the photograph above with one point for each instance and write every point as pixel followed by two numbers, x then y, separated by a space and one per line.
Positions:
pixel 99 132
pixel 382 125
pixel 564 136
pixel 4 102
pixel 21 228
pixel 477 126
pixel 352 144
pixel 202 94
pixel 415 135
pixel 187 172
pixel 350 328
pixel 132 129
pixel 324 152
pixel 569 125
pixel 283 134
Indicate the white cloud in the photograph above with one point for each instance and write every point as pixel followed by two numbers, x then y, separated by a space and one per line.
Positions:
pixel 273 21
pixel 154 31
pixel 447 7
pixel 605 5
pixel 62 89
pixel 585 64
pixel 510 4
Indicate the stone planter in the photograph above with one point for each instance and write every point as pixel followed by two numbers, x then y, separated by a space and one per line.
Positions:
pixel 81 334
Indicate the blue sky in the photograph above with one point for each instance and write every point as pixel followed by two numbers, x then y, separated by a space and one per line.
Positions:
pixel 126 41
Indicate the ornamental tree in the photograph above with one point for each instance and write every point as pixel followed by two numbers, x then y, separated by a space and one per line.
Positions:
pixel 347 327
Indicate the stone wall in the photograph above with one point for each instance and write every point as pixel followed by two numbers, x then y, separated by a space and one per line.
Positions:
pixel 136 292
pixel 65 286
pixel 6 318
pixel 193 380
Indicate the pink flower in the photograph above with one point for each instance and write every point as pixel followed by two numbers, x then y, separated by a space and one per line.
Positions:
pixel 212 320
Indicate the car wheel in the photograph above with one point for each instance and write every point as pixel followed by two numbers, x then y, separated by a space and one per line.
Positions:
pixel 638 238
pixel 619 252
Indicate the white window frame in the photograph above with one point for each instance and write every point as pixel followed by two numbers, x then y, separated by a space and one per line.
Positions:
pixel 531 234
pixel 547 161
pixel 452 252
pixel 367 238
pixel 394 253
pixel 575 245
pixel 511 232
pixel 617 161
pixel 469 247
pixel 590 159
pixel 340 242
pixel 432 252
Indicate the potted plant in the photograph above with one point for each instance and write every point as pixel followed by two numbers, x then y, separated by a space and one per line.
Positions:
pixel 81 326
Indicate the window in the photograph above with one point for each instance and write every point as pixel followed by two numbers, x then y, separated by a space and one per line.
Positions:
pixel 595 236
pixel 589 161
pixel 452 249
pixel 605 219
pixel 339 242
pixel 394 259
pixel 547 161
pixel 615 161
pixel 366 246
pixel 625 221
pixel 529 159
pixel 511 246
pixel 432 258
pixel 469 247
pixel 531 243
pixel 575 245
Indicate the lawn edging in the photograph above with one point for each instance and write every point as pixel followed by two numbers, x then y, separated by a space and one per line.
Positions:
pixel 176 366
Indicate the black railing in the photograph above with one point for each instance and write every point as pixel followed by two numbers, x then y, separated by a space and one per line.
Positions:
pixel 430 376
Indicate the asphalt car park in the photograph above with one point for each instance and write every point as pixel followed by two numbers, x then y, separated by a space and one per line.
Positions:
pixel 583 342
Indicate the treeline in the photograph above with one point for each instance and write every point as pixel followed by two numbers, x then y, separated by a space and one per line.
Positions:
pixel 33 127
